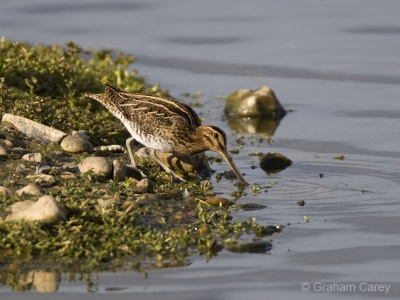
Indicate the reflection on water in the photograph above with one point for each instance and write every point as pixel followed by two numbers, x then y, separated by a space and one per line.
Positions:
pixel 39 280
pixel 265 127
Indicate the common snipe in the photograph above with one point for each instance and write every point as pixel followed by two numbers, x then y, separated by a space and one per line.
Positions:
pixel 165 125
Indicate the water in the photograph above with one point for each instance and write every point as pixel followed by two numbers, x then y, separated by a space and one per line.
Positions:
pixel 335 64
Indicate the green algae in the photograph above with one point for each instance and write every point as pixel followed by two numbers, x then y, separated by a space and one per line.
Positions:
pixel 47 84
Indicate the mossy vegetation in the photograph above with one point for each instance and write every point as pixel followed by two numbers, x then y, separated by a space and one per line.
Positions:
pixel 108 225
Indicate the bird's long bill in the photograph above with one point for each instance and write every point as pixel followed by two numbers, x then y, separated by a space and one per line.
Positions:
pixel 225 154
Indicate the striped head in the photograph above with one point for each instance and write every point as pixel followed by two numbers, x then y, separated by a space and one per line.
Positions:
pixel 214 139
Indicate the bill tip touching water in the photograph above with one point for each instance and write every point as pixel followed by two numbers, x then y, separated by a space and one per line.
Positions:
pixel 165 125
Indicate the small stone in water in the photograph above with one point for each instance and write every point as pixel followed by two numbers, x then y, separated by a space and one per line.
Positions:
pixel 251 206
pixel 219 201
pixel 301 203
pixel 253 247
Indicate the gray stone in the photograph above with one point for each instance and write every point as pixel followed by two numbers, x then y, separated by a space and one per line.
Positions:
pixel 30 189
pixel 44 179
pixel 35 157
pixel 82 133
pixel 44 169
pixel 45 209
pixel 76 144
pixel 70 167
pixel 68 175
pixel 34 129
pixel 21 169
pixel 122 171
pixel 143 186
pixel 98 165
pixel 147 199
pixel 119 171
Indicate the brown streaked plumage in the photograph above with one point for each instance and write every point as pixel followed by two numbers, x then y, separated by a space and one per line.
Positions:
pixel 165 125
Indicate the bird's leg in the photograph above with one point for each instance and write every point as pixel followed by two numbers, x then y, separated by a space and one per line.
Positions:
pixel 166 169
pixel 128 146
pixel 133 164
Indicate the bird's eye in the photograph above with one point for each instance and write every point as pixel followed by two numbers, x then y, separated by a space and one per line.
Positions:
pixel 216 135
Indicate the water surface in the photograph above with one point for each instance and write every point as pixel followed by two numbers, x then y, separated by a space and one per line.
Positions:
pixel 334 64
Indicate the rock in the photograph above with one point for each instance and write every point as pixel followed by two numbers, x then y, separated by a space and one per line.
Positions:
pixel 107 204
pixel 3 152
pixel 35 157
pixel 76 144
pixel 98 165
pixel 68 175
pixel 273 162
pixel 182 163
pixel 219 201
pixel 35 130
pixel 45 209
pixel 5 192
pixel 44 179
pixel 9 143
pixel 21 169
pixel 44 169
pixel 147 199
pixel 30 189
pixel 70 167
pixel 119 171
pixel 82 133
pixel 254 111
pixel 254 103
pixel 252 247
pixel 143 186
pixel 251 206
pixel 122 171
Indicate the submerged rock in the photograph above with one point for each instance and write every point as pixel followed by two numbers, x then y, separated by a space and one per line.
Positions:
pixel 273 162
pixel 219 201
pixel 45 209
pixel 252 247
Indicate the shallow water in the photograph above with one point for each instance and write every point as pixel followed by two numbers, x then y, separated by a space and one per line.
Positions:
pixel 335 65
